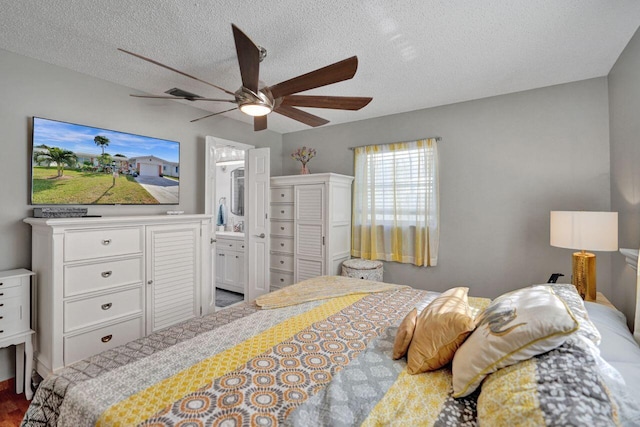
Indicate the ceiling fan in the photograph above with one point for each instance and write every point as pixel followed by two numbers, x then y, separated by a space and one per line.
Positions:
pixel 257 100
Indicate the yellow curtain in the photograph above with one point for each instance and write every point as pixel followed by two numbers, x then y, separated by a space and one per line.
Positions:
pixel 396 203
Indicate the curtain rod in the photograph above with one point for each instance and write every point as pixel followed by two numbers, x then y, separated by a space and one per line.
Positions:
pixel 437 138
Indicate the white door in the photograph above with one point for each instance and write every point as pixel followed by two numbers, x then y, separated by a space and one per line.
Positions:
pixel 209 289
pixel 309 231
pixel 173 274
pixel 256 203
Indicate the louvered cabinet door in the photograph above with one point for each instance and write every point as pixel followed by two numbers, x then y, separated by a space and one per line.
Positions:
pixel 172 275
pixel 309 231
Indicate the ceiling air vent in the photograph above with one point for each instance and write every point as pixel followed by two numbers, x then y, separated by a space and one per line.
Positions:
pixel 183 93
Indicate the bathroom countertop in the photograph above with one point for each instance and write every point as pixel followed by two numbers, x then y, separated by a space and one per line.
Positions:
pixel 230 234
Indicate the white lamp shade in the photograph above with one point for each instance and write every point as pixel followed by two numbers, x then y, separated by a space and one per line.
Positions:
pixel 592 231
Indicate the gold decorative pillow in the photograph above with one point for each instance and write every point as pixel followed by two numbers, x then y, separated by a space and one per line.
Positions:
pixel 440 329
pixel 516 326
pixel 405 334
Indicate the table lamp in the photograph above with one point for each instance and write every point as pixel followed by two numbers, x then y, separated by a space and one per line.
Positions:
pixel 593 231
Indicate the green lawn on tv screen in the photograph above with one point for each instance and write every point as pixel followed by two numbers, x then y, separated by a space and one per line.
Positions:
pixel 86 188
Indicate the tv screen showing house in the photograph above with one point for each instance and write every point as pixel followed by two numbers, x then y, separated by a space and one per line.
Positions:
pixel 74 164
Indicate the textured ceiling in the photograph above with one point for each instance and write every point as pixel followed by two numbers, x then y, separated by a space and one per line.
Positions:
pixel 412 54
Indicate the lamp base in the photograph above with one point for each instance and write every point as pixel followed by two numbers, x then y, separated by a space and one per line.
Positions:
pixel 584 274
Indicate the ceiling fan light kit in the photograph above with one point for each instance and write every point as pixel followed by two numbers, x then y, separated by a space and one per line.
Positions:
pixel 255 104
pixel 258 100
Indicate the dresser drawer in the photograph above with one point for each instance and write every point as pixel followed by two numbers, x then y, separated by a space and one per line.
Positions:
pixel 82 278
pixel 282 262
pixel 86 312
pixel 81 346
pixel 282 195
pixel 13 316
pixel 14 291
pixel 280 280
pixel 8 283
pixel 100 243
pixel 282 228
pixel 282 244
pixel 282 212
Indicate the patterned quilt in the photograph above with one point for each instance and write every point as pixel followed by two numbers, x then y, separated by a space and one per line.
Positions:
pixel 325 362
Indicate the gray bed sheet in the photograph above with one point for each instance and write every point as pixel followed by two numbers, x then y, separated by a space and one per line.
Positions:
pixel 618 347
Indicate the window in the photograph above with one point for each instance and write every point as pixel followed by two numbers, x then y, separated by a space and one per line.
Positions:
pixel 395 204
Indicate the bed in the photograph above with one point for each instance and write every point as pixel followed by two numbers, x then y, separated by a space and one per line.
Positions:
pixel 312 360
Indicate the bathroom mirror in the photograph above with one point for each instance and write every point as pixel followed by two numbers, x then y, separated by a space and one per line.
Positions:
pixel 237 191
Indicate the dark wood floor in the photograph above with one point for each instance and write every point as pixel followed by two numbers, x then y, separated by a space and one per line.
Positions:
pixel 12 405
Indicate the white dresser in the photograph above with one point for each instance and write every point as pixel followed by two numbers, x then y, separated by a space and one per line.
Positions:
pixel 15 323
pixel 102 282
pixel 310 226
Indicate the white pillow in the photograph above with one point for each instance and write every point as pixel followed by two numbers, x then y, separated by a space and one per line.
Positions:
pixel 514 327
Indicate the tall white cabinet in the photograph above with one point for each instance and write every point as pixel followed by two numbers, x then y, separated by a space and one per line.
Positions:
pixel 310 226
pixel 101 282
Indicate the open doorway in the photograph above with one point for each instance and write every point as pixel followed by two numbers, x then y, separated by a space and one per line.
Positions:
pixel 229 221
pixel 237 196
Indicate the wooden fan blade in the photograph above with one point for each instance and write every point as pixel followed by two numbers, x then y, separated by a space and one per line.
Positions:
pixel 334 102
pixel 175 71
pixel 248 58
pixel 334 73
pixel 182 97
pixel 214 114
pixel 259 123
pixel 301 116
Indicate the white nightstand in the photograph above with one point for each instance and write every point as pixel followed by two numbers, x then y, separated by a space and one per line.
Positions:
pixel 15 323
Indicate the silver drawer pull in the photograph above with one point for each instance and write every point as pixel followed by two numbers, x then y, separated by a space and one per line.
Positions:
pixel 282 280
pixel 281 212
pixel 282 244
pixel 282 228
pixel 106 274
pixel 1 283
pixel 1 331
pixel 1 317
pixel 281 262
pixel 106 338
pixel 1 305
pixel 1 294
pixel 281 194
pixel 106 242
pixel 106 306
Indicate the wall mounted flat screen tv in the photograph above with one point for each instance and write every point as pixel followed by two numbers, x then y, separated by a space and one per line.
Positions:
pixel 74 164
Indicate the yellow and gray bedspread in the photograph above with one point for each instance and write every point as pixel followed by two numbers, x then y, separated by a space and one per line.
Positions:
pixel 323 362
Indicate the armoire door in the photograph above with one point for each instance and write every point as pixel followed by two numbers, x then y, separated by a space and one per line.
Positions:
pixel 172 274
pixel 309 255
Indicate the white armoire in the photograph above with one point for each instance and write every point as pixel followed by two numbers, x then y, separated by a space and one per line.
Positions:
pixel 101 282
pixel 310 226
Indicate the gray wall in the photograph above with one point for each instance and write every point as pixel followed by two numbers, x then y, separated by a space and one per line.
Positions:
pixel 624 105
pixel 34 88
pixel 506 162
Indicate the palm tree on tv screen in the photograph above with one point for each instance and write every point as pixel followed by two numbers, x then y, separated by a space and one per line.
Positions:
pixel 58 156
pixel 101 141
